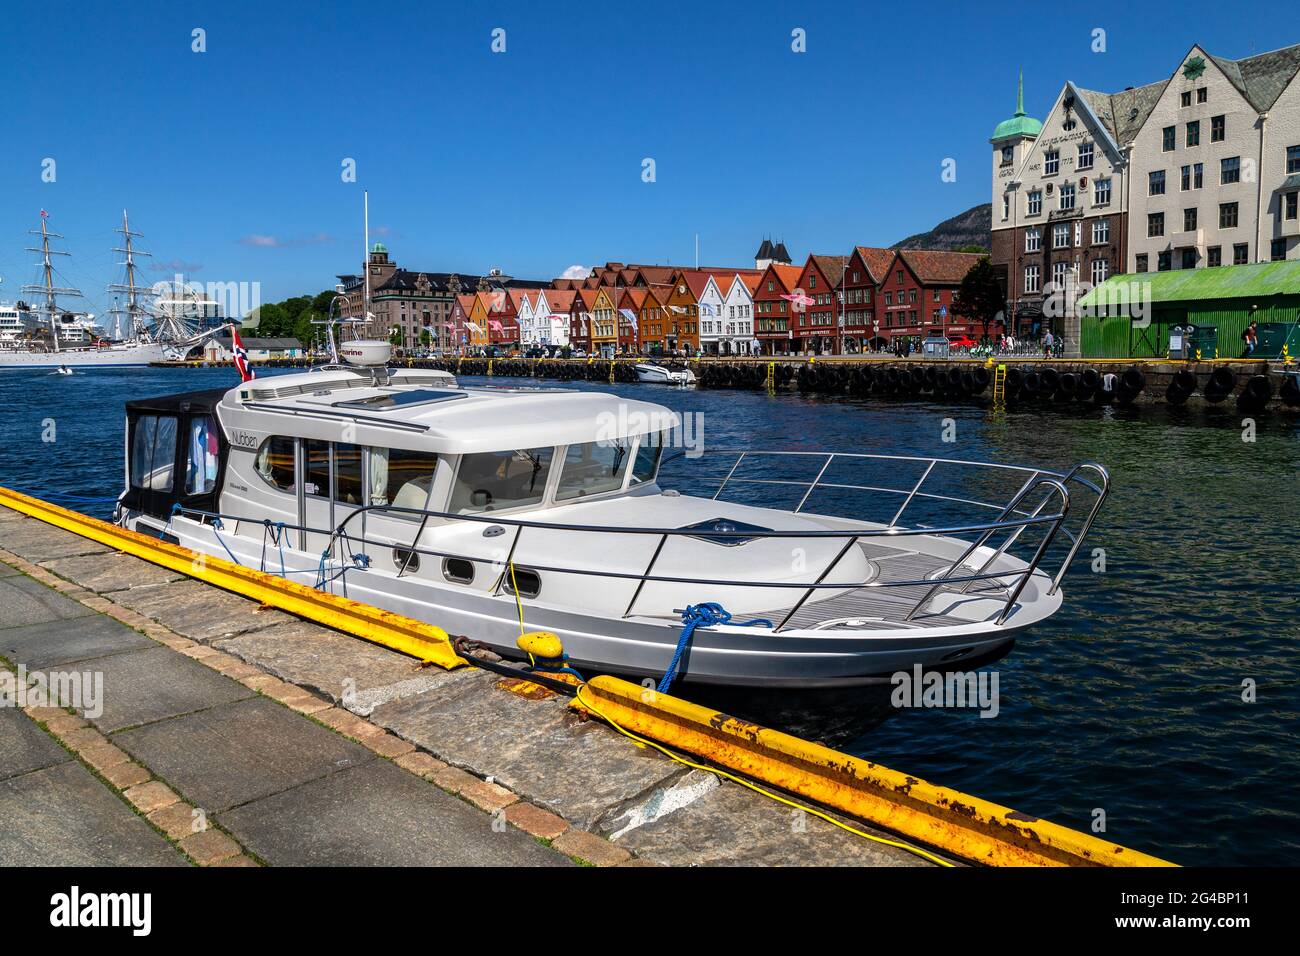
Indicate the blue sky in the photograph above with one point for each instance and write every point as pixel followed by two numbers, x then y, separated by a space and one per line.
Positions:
pixel 530 160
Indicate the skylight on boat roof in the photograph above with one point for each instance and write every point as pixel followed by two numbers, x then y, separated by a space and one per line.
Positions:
pixel 404 399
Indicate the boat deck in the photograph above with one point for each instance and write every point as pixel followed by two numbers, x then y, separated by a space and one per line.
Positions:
pixel 877 606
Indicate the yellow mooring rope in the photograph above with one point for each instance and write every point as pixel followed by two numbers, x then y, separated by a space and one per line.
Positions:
pixel 645 742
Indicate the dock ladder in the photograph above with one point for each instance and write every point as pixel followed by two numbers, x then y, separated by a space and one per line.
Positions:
pixel 1000 384
pixel 770 382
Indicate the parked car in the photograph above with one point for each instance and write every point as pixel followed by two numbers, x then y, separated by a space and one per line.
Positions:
pixel 961 342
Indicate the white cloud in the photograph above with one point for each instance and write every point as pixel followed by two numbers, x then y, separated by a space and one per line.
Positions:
pixel 576 272
pixel 275 242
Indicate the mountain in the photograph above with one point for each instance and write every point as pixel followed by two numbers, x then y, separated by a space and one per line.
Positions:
pixel 974 227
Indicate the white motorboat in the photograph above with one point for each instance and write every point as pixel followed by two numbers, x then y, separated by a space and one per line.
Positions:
pixel 654 374
pixel 469 507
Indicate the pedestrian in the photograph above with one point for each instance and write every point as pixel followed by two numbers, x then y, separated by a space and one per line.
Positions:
pixel 1047 344
pixel 1250 338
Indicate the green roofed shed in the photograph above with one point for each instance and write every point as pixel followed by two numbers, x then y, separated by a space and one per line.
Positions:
pixel 1130 315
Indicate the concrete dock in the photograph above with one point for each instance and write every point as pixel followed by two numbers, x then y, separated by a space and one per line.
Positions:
pixel 230 733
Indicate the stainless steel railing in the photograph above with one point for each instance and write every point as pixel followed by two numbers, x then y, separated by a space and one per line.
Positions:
pixel 1022 511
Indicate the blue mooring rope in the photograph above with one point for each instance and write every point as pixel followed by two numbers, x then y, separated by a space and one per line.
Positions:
pixel 701 615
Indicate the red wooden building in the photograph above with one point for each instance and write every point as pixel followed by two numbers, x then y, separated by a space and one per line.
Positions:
pixel 816 326
pixel 918 292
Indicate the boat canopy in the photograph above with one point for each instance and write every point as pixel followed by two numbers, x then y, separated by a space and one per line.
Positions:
pixel 445 420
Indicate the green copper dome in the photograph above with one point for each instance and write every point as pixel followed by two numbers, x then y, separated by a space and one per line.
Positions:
pixel 379 247
pixel 1019 124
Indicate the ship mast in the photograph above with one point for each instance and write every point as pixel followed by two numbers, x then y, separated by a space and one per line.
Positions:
pixel 47 286
pixel 135 312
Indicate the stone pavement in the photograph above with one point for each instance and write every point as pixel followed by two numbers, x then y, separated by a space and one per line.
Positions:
pixel 295 744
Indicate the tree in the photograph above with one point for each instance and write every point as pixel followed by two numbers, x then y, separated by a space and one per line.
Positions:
pixel 268 320
pixel 979 297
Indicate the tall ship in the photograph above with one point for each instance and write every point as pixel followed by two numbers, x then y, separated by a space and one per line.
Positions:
pixel 48 335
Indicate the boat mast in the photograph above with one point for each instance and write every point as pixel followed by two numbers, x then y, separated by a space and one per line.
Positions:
pixel 47 286
pixel 135 312
pixel 365 262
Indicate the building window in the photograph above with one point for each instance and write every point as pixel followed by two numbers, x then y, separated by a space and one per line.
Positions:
pixel 1189 220
pixel 1194 133
pixel 1141 263
pixel 1240 254
pixel 1033 239
pixel 1213 256
pixel 1203 95
pixel 1229 170
pixel 1059 272
pixel 1060 236
pixel 1101 192
pixel 1278 250
pixel 1189 259
pixel 1169 138
pixel 1198 175
pixel 1051 162
pixel 1100 270
pixel 1164 261
pixel 1290 200
pixel 1227 215
pixel 1155 224
pixel 1156 183
pixel 1035 202
pixel 1006 206
pixel 1186 98
pixel 1218 128
pixel 1067 197
pixel 1100 232
pixel 1293 159
pixel 1008 155
pixel 1085 155
pixel 1032 278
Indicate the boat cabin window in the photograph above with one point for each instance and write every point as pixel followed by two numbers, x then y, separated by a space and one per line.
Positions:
pixel 401 477
pixel 496 480
pixel 153 452
pixel 316 461
pixel 275 463
pixel 646 464
pixel 594 468
pixel 202 457
pixel 347 474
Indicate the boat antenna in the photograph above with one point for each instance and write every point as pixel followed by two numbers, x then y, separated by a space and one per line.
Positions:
pixel 47 286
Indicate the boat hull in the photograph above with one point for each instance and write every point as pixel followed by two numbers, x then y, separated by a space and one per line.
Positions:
pixel 110 357
pixel 638 647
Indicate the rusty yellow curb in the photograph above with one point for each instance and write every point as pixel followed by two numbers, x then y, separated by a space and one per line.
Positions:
pixel 396 631
pixel 961 825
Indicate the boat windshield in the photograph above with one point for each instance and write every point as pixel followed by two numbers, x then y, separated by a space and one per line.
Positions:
pixel 646 464
pixel 496 480
pixel 594 468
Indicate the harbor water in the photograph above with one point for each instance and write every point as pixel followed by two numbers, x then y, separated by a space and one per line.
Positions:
pixel 1125 710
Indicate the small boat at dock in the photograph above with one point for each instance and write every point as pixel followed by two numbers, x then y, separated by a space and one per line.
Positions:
pixel 472 508
pixel 655 374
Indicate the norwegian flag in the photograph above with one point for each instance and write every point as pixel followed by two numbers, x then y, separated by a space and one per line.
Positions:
pixel 240 353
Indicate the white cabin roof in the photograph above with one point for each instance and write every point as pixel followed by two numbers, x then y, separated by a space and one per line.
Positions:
pixel 428 410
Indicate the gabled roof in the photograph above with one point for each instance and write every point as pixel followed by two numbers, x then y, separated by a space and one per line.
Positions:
pixel 586 296
pixel 779 253
pixel 764 250
pixel 635 296
pixel 786 275
pixel 1262 78
pixel 876 260
pixel 1123 113
pixel 559 300
pixel 939 266
pixel 832 267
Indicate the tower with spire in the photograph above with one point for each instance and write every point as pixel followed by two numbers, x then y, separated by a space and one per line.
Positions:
pixel 1011 141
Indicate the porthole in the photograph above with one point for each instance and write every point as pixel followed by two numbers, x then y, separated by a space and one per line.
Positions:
pixel 458 571
pixel 406 561
pixel 530 583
